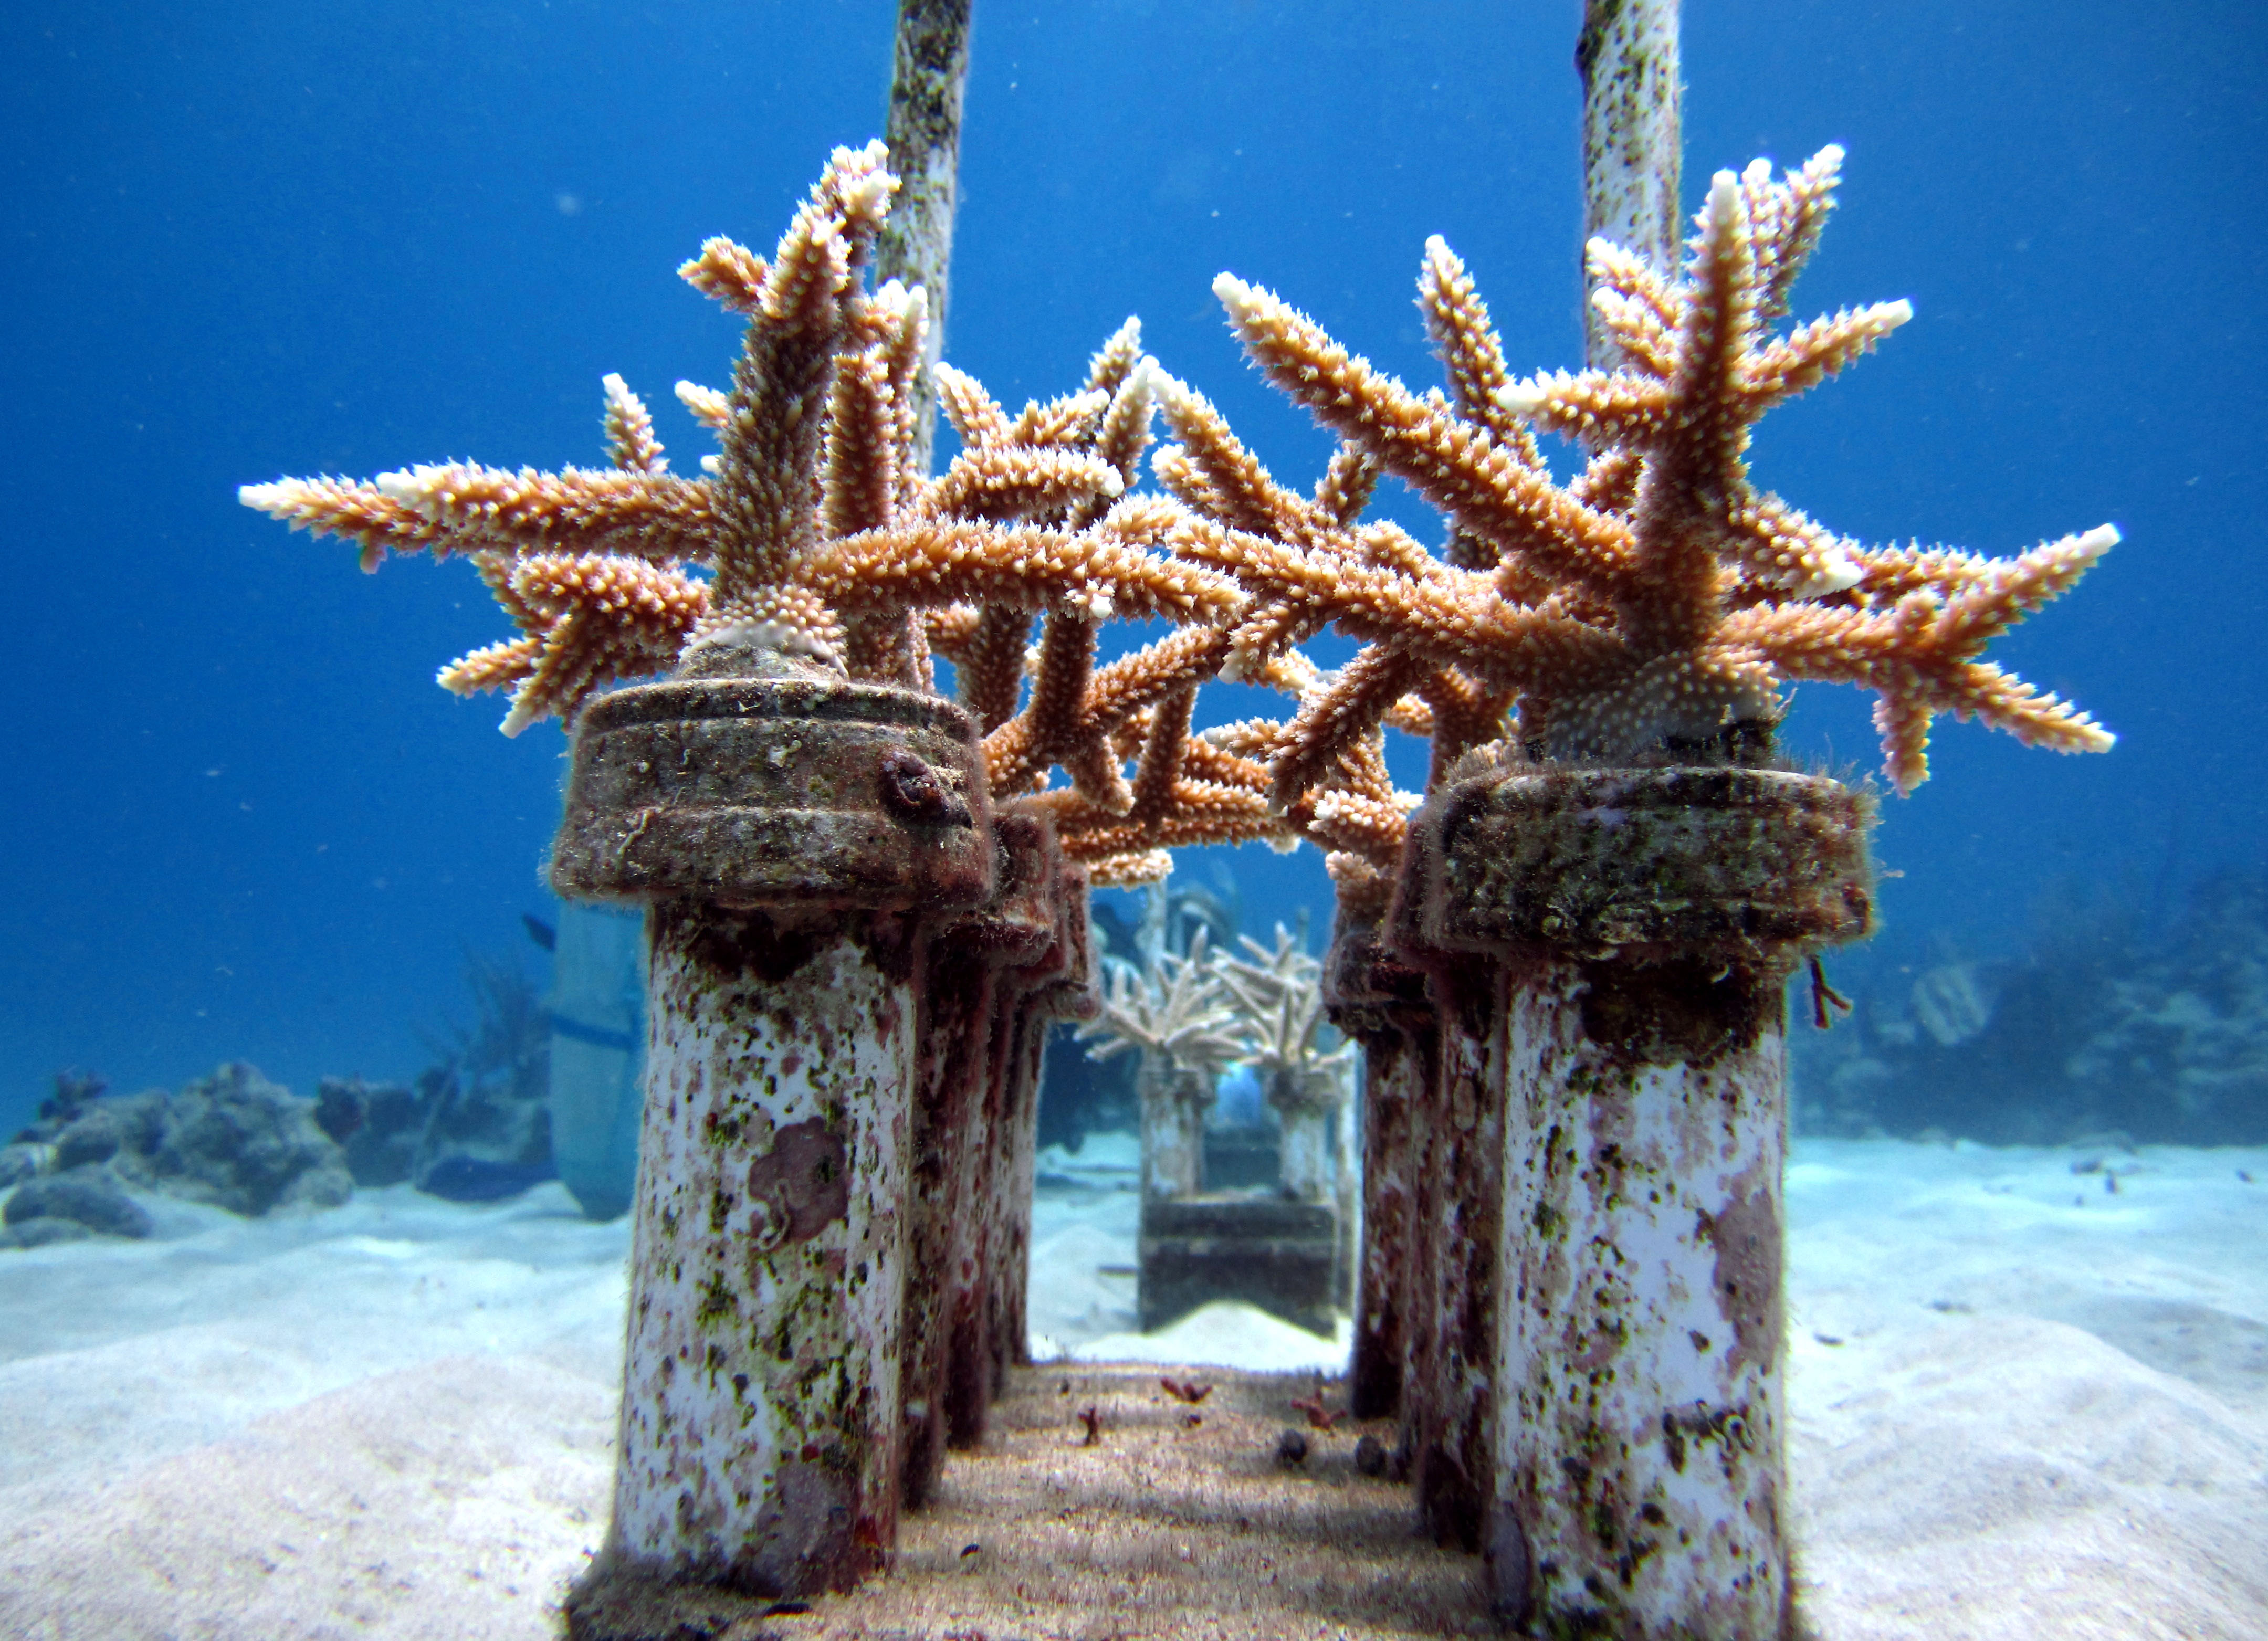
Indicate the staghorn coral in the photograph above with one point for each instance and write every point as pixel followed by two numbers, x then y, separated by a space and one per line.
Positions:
pixel 1181 1014
pixel 1203 1011
pixel 1278 993
pixel 813 531
pixel 1658 599
pixel 816 533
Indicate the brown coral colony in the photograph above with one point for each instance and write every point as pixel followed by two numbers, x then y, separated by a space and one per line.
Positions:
pixel 1657 600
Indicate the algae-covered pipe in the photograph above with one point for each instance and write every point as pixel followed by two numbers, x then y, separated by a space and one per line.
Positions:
pixel 1381 1005
pixel 798 836
pixel 1637 927
pixel 984 969
pixel 1448 1425
pixel 1059 986
pixel 1173 1100
pixel 1628 56
pixel 1307 1103
pixel 955 1035
pixel 929 79
pixel 760 1402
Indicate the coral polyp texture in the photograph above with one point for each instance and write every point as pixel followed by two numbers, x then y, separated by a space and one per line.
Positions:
pixel 1660 597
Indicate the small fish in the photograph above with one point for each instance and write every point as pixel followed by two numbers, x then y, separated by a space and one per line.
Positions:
pixel 540 932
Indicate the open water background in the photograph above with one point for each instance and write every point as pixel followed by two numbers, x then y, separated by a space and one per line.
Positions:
pixel 243 239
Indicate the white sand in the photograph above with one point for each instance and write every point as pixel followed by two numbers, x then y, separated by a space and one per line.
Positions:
pixel 2045 1413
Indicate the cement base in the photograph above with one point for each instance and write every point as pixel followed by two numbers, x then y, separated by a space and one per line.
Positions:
pixel 1278 1255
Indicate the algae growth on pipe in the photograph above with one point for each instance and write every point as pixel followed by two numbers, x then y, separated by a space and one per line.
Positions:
pixel 1634 929
pixel 794 831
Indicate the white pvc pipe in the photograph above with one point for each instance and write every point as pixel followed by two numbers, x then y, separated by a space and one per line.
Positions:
pixel 1628 56
pixel 1307 1102
pixel 1174 1100
pixel 1640 1471
pixel 760 1427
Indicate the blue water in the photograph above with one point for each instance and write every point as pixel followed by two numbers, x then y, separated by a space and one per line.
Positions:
pixel 249 239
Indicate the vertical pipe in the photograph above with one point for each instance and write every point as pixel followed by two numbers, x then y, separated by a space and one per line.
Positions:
pixel 1453 1460
pixel 1628 57
pixel 1060 986
pixel 928 76
pixel 955 1041
pixel 1392 1071
pixel 1381 1005
pixel 797 838
pixel 969 1353
pixel 1039 932
pixel 1011 1208
pixel 1346 1204
pixel 948 1306
pixel 1630 930
pixel 767 1285
pixel 1643 1408
pixel 1308 1103
pixel 1173 1100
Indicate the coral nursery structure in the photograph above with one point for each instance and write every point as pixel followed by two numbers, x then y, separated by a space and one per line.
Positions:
pixel 1287 1245
pixel 866 899
pixel 1179 1018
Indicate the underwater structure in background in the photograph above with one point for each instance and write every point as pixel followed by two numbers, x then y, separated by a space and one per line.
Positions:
pixel 1284 1243
pixel 1564 960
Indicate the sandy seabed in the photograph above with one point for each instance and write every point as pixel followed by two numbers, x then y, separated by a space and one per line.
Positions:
pixel 2023 1403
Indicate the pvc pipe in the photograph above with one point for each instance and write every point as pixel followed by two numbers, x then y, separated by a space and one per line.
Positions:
pixel 1174 1099
pixel 761 1402
pixel 1628 57
pixel 1606 950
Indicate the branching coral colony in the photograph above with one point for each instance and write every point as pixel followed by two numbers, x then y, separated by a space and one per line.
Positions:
pixel 1637 921
pixel 1658 599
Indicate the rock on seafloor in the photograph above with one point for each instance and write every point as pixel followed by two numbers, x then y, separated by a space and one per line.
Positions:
pixel 233 1140
pixel 86 1197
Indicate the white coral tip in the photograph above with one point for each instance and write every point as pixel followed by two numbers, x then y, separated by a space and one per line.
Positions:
pixel 412 487
pixel 1241 301
pixel 869 196
pixel 1141 383
pixel 1521 398
pixel 1723 197
pixel 1833 573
